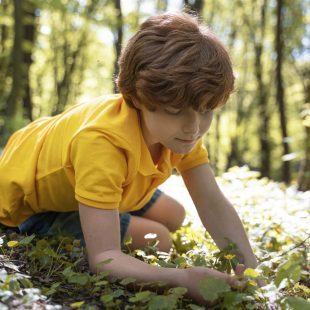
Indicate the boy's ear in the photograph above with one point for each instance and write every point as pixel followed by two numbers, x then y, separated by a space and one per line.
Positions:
pixel 136 103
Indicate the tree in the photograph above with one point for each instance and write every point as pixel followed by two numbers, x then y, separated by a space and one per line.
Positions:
pixel 18 102
pixel 304 168
pixel 262 98
pixel 15 97
pixel 195 5
pixel 161 5
pixel 70 46
pixel 29 38
pixel 280 96
pixel 118 39
pixel 5 50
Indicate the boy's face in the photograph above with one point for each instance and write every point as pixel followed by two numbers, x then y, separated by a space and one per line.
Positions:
pixel 176 129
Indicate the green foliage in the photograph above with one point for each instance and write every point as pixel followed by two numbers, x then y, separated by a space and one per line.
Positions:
pixel 295 303
pixel 73 56
pixel 54 271
pixel 211 289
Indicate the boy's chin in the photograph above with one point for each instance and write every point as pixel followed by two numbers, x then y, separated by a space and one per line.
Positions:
pixel 181 150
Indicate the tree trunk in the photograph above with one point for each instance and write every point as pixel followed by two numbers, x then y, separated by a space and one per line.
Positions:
pixel 70 60
pixel 64 85
pixel 280 91
pixel 29 37
pixel 262 96
pixel 195 5
pixel 4 56
pixel 15 95
pixel 161 6
pixel 304 168
pixel 118 39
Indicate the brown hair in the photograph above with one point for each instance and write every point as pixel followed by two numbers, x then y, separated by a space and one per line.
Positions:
pixel 173 60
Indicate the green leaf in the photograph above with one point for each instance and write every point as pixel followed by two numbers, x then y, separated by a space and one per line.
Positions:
pixel 106 298
pixel 67 272
pixel 296 303
pixel 290 269
pixel 212 288
pixel 27 240
pixel 231 299
pixel 178 291
pixel 79 278
pixel 14 285
pixel 43 244
pixel 199 261
pixel 117 293
pixel 102 283
pixel 141 297
pixel 26 283
pixel 53 289
pixel 180 261
pixel 162 303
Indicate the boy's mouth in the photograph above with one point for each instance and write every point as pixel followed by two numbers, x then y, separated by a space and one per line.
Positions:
pixel 187 141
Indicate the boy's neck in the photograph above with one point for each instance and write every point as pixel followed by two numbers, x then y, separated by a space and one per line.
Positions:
pixel 155 151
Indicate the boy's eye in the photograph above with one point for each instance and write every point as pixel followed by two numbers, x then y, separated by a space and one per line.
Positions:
pixel 173 111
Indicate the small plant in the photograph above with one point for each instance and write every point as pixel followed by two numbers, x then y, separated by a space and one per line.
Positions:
pixel 54 271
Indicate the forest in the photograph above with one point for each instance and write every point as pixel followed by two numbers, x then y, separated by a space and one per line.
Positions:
pixel 57 53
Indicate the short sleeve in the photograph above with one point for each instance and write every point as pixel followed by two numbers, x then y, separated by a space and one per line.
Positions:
pixel 198 156
pixel 100 170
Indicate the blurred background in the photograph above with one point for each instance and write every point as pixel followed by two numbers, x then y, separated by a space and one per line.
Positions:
pixel 56 53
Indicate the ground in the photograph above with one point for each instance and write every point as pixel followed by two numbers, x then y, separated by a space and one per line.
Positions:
pixel 52 273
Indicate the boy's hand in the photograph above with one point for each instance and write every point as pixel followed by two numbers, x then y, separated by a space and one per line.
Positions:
pixel 238 281
pixel 193 276
pixel 239 270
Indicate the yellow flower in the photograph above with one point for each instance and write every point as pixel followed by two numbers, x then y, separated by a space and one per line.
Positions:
pixel 77 304
pixel 76 243
pixel 253 283
pixel 12 244
pixel 230 256
pixel 68 247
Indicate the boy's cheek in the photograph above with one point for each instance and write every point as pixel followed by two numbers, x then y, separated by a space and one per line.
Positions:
pixel 207 126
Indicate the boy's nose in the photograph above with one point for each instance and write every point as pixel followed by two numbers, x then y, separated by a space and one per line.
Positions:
pixel 191 126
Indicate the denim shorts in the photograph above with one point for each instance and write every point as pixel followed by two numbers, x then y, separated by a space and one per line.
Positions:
pixel 68 223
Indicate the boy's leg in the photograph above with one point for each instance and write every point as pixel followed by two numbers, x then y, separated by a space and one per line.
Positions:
pixel 166 211
pixel 140 226
pixel 62 223
pixel 160 216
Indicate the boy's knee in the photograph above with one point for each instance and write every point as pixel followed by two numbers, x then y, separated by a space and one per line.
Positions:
pixel 164 238
pixel 177 216
pixel 140 227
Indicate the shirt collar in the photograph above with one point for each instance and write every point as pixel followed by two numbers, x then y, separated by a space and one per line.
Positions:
pixel 134 133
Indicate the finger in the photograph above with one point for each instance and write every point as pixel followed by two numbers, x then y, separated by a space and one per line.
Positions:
pixel 239 284
pixel 239 270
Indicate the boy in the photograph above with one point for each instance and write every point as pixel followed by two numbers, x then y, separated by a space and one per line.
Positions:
pixel 106 158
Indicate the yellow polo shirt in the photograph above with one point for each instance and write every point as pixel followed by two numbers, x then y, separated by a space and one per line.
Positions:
pixel 93 153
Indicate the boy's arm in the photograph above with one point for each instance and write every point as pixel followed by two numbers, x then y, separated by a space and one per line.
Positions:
pixel 102 236
pixel 217 213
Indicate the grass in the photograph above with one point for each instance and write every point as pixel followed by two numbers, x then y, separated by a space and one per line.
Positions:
pixel 52 273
